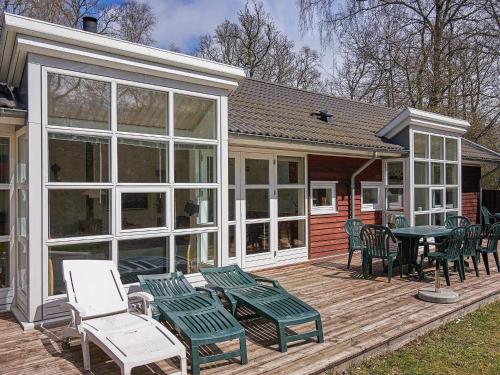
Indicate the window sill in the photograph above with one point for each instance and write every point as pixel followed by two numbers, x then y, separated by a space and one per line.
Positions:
pixel 324 212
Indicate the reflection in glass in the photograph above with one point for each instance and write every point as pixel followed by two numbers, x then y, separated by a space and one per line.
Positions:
pixel 195 208
pixel 290 170
pixel 437 219
pixel 421 145
pixel 437 198
pixel 451 174
pixel 394 198
pixel 232 205
pixel 98 250
pixel 141 110
pixel 195 251
pixel 421 199
pixel 451 149
pixel 232 241
pixel 231 174
pixel 321 197
pixel 78 102
pixel 78 158
pixel 291 234
pixel 291 202
pixel 451 198
pixel 4 161
pixel 256 172
pixel 421 173
pixel 257 203
pixel 78 212
pixel 422 219
pixel 142 161
pixel 4 212
pixel 257 239
pixel 437 147
pixel 437 173
pixel 4 264
pixel 194 117
pixel 394 172
pixel 195 163
pixel 143 210
pixel 370 196
pixel 144 256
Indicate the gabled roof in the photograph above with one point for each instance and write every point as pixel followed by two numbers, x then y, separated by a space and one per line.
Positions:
pixel 475 152
pixel 271 110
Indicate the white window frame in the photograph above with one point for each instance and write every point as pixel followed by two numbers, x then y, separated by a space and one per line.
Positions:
pixel 323 210
pixel 370 206
pixel 387 185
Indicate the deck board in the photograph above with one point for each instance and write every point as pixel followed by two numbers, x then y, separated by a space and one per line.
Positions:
pixel 358 316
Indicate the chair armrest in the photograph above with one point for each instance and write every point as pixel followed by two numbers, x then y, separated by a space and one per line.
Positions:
pixel 211 292
pixel 263 279
pixel 146 299
pixel 76 308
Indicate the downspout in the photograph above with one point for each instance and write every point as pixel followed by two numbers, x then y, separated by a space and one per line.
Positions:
pixel 481 190
pixel 353 182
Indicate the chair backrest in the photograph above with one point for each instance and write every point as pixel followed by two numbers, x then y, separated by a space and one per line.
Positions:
pixel 473 236
pixel 401 222
pixel 456 221
pixel 353 230
pixel 493 237
pixel 485 213
pixel 376 239
pixel 455 242
pixel 96 286
pixel 166 285
pixel 227 277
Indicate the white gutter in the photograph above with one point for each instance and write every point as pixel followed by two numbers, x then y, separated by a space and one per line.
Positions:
pixel 353 183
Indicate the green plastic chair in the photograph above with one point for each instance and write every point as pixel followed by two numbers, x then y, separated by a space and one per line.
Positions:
pixel 450 250
pixel 265 297
pixel 197 314
pixel 353 230
pixel 472 244
pixel 456 221
pixel 376 241
pixel 488 218
pixel 401 222
pixel 491 247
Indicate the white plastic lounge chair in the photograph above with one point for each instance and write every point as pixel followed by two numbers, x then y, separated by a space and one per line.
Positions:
pixel 99 306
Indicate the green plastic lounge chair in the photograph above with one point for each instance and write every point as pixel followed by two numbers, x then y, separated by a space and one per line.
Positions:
pixel 450 250
pixel 197 314
pixel 456 221
pixel 491 247
pixel 266 298
pixel 376 240
pixel 353 229
pixel 472 245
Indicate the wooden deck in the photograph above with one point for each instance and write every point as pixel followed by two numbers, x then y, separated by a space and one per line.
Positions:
pixel 360 318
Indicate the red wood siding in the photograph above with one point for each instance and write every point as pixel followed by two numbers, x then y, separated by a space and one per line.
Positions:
pixel 326 232
pixel 470 192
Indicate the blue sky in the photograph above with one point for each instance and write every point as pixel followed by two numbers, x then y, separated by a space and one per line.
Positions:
pixel 181 22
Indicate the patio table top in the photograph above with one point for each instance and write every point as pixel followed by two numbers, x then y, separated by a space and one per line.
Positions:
pixel 423 231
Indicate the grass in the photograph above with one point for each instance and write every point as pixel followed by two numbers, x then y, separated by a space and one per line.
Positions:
pixel 470 345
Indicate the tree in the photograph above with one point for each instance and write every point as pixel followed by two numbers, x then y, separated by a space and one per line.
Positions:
pixel 129 20
pixel 255 44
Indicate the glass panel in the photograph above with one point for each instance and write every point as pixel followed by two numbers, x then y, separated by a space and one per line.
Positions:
pixel 22 266
pixel 194 117
pixel 394 198
pixel 4 212
pixel 290 170
pixel 142 161
pixel 231 171
pixel 421 145
pixel 256 171
pixel 451 174
pixel 421 173
pixel 370 196
pixel 195 251
pixel 421 199
pixel 257 203
pixel 451 213
pixel 143 210
pixel 394 172
pixel 437 174
pixel 232 205
pixel 22 213
pixel 322 197
pixel 195 163
pixel 437 147
pixel 77 158
pixel 451 149
pixel 195 208
pixel 141 110
pixel 4 161
pixel 78 102
pixel 451 198
pixel 4 265
pixel 422 219
pixel 232 241
pixel 78 212
pixel 21 159
pixel 291 234
pixel 291 202
pixel 99 251
pixel 437 198
pixel 257 240
pixel 145 256
pixel 437 218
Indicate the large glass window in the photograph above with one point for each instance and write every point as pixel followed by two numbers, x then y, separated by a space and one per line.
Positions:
pixel 437 174
pixel 142 110
pixel 370 196
pixel 143 210
pixel 194 117
pixel 394 189
pixel 257 238
pixel 78 102
pixel 256 171
pixel 290 170
pixel 142 161
pixel 323 197
pixel 451 149
pixel 195 163
pixel 291 234
pixel 195 208
pixel 437 147
pixel 291 202
pixel 4 264
pixel 421 145
pixel 421 170
pixel 195 251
